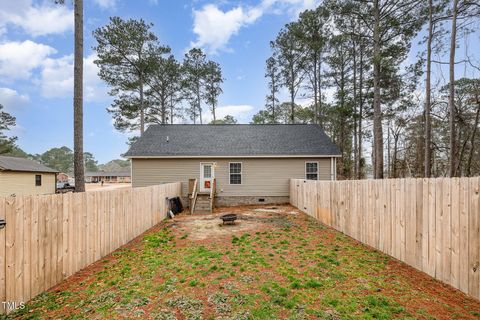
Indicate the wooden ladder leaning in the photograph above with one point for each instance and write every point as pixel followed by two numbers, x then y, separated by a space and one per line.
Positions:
pixel 193 184
pixel 213 191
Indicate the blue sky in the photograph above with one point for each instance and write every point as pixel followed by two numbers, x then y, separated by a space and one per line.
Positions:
pixel 36 62
pixel 36 71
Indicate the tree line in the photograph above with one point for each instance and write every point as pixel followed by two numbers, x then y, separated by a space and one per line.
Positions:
pixel 148 84
pixel 349 59
pixel 62 159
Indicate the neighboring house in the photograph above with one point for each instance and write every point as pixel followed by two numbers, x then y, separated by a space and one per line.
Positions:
pixel 62 177
pixel 108 177
pixel 251 163
pixel 19 176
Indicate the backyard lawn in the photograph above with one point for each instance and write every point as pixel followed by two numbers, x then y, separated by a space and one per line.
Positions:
pixel 275 263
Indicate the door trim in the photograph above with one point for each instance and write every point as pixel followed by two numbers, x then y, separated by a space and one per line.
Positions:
pixel 202 179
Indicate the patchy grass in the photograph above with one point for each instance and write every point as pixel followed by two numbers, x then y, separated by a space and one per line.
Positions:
pixel 287 267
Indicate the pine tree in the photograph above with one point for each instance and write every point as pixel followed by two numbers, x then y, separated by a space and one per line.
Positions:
pixel 194 68
pixel 273 82
pixel 213 89
pixel 125 50
pixel 7 121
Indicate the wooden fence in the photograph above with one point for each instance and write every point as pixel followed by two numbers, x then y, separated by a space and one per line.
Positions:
pixel 50 237
pixel 430 224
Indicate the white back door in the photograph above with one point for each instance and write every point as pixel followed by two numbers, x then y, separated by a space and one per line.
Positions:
pixel 207 174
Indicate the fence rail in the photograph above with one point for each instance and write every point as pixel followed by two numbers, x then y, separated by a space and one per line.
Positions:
pixel 430 224
pixel 49 237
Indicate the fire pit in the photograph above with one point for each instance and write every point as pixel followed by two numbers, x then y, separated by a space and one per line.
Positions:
pixel 229 218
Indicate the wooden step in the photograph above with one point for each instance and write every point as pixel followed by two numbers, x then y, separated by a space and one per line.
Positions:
pixel 202 212
pixel 202 203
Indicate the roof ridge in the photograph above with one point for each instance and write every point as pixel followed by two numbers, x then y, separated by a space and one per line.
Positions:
pixel 238 139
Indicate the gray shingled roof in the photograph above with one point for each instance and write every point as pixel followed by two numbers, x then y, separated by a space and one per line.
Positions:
pixel 233 140
pixel 21 164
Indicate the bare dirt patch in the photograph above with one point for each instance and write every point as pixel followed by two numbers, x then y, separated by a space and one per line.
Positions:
pixel 250 219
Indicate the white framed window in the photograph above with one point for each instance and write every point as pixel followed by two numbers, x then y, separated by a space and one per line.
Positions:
pixel 311 170
pixel 235 172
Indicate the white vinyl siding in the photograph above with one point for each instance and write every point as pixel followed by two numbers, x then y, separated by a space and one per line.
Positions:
pixel 260 176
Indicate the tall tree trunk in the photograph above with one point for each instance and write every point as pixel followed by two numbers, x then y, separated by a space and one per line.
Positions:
pixel 78 165
pixel 472 141
pixel 428 120
pixel 164 110
pixel 320 107
pixel 171 110
pixel 355 101
pixel 389 152
pixel 451 97
pixel 343 125
pixel 395 155
pixel 315 89
pixel 194 113
pixel 142 109
pixel 274 120
pixel 377 110
pixel 200 114
pixel 292 105
pixel 199 103
pixel 292 96
pixel 213 112
pixel 360 116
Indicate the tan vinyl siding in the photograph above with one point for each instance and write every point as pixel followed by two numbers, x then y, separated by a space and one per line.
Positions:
pixel 260 176
pixel 23 183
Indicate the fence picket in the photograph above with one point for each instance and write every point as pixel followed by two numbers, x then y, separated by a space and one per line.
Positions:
pixel 19 249
pixel 2 253
pixel 10 248
pixel 430 224
pixel 50 237
pixel 27 231
pixel 474 240
pixel 455 235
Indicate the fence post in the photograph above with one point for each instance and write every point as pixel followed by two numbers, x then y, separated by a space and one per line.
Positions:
pixel 49 237
pixel 430 224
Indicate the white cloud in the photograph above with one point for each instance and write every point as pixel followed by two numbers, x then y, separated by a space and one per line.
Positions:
pixel 56 79
pixel 11 99
pixel 19 59
pixel 291 7
pixel 36 20
pixel 243 113
pixel 214 27
pixel 30 60
pixel 106 3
